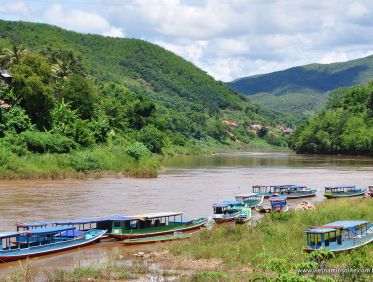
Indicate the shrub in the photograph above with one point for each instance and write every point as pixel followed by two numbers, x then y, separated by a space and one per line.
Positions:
pixel 85 161
pixel 42 142
pixel 138 150
pixel 152 138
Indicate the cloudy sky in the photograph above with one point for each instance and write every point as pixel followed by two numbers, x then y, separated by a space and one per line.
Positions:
pixel 226 38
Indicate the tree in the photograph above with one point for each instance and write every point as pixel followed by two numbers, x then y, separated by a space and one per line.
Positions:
pixel 152 138
pixel 63 118
pixel 10 57
pixel 81 94
pixel 31 82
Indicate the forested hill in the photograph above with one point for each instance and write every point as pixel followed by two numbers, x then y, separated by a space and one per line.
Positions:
pixel 344 127
pixel 139 65
pixel 304 88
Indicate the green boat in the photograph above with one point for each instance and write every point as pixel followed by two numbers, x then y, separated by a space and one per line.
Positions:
pixel 339 236
pixel 156 239
pixel 153 224
pixel 244 217
pixel 250 199
pixel 343 191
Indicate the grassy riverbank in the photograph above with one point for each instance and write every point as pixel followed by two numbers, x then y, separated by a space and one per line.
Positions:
pixel 273 248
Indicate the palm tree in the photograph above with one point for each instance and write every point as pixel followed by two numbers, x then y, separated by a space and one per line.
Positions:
pixel 12 56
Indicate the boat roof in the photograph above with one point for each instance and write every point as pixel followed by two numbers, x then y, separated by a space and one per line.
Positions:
pixel 286 185
pixel 337 187
pixel 8 234
pixel 278 198
pixel 347 224
pixel 294 187
pixel 225 204
pixel 48 230
pixel 155 215
pixel 247 195
pixel 35 224
pixel 320 230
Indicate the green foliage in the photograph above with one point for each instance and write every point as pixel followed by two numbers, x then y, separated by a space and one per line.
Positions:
pixel 15 120
pixel 43 142
pixel 346 126
pixel 208 276
pixel 138 150
pixel 63 118
pixel 81 133
pixel 152 138
pixel 81 94
pixel 31 82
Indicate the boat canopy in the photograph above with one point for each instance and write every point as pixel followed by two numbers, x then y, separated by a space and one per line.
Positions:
pixel 8 234
pixel 225 204
pixel 35 224
pixel 247 195
pixel 296 187
pixel 347 224
pixel 320 230
pixel 278 198
pixel 47 230
pixel 155 215
pixel 340 188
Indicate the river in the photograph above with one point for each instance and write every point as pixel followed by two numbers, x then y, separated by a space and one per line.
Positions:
pixel 187 183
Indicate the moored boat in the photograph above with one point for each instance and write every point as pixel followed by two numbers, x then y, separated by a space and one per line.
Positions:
pixel 343 191
pixel 157 239
pixel 250 199
pixel 277 204
pixel 41 241
pixel 226 211
pixel 153 224
pixel 339 236
pixel 244 216
pixel 290 191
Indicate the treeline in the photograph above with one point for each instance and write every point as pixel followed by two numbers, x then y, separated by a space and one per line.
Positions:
pixel 344 127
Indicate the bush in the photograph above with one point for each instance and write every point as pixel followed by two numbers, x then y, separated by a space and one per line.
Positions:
pixel 138 150
pixel 152 138
pixel 85 161
pixel 42 142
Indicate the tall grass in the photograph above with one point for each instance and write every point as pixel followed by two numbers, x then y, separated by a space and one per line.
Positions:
pixel 278 235
pixel 98 160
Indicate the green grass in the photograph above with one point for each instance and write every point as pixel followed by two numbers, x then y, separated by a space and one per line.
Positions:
pixel 279 236
pixel 96 161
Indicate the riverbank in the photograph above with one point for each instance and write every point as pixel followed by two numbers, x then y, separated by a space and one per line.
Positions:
pixel 109 160
pixel 270 251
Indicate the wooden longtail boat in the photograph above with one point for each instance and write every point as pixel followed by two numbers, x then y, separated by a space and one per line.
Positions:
pixel 42 241
pixel 244 217
pixel 156 239
pixel 339 236
pixel 343 191
pixel 250 199
pixel 226 211
pixel 290 191
pixel 153 224
pixel 278 204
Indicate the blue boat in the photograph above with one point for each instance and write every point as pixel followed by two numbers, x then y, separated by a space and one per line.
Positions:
pixel 291 191
pixel 343 191
pixel 277 204
pixel 225 211
pixel 339 236
pixel 41 241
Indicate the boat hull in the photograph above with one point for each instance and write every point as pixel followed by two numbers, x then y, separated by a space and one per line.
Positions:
pixel 155 239
pixel 344 195
pixel 57 247
pixel 158 233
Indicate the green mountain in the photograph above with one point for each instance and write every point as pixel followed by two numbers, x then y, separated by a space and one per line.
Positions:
pixel 304 88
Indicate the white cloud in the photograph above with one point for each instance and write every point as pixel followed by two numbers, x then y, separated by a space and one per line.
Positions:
pixel 18 8
pixel 81 21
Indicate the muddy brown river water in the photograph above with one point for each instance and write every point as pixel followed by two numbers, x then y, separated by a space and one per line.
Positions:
pixel 188 183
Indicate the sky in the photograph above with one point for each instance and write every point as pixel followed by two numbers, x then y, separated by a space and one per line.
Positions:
pixel 226 38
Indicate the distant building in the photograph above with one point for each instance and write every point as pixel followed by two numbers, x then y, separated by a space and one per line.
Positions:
pixel 255 126
pixel 231 124
pixel 5 77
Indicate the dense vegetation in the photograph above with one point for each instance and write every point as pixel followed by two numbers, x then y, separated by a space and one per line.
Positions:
pixel 301 90
pixel 81 103
pixel 344 127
